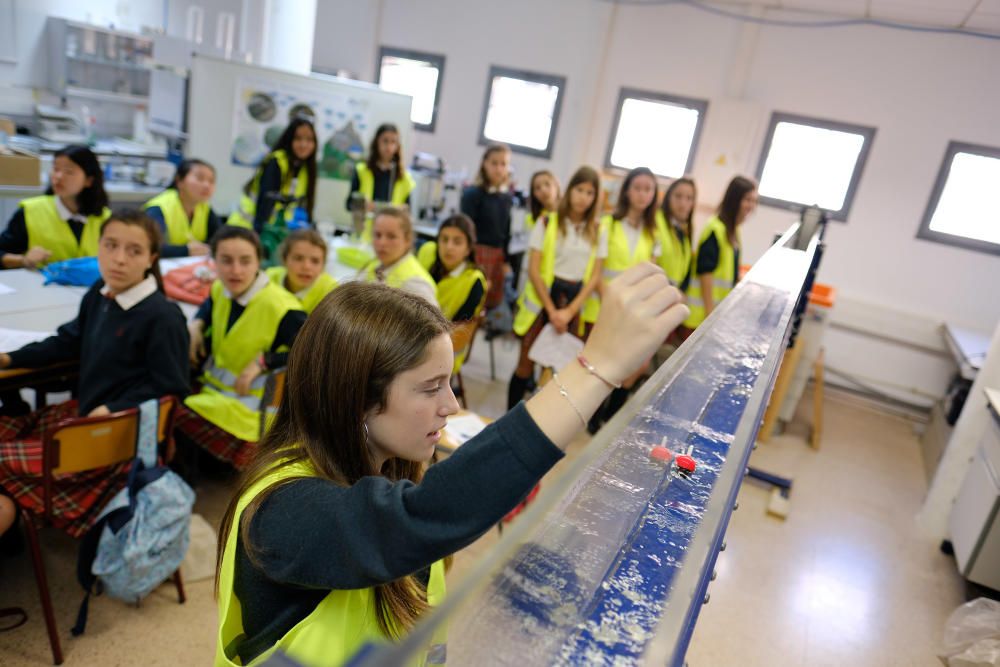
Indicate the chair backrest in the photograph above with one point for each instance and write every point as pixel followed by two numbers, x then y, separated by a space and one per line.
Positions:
pixel 78 444
pixel 274 390
pixel 84 443
pixel 463 334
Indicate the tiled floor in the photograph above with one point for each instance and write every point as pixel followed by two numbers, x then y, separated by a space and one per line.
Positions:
pixel 843 581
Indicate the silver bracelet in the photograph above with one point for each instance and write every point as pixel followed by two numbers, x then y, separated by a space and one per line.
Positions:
pixel 565 394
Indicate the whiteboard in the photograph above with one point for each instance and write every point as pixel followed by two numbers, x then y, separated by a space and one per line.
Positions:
pixel 233 107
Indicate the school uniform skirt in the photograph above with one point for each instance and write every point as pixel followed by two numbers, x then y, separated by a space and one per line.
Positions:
pixel 491 260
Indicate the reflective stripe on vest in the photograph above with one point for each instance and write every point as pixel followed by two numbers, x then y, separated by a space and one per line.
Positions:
pixel 675 252
pixel 401 188
pixel 250 336
pixel 181 230
pixel 529 304
pixel 334 630
pixel 244 215
pixel 46 229
pixel 619 259
pixel 404 270
pixel 323 285
pixel 723 278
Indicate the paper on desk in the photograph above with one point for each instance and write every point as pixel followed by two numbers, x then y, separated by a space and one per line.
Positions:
pixel 6 289
pixel 554 350
pixel 462 428
pixel 15 339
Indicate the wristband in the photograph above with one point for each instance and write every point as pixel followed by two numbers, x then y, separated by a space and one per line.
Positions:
pixel 593 371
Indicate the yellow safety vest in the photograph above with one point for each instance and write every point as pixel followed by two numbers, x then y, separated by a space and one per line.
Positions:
pixel 723 278
pixel 452 293
pixel 427 253
pixel 232 350
pixel 366 186
pixel 401 189
pixel 341 624
pixel 243 216
pixel 619 257
pixel 404 270
pixel 48 230
pixel 181 230
pixel 529 304
pixel 529 220
pixel 322 286
pixel 675 252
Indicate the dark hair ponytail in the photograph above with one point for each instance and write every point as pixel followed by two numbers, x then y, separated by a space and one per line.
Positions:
pixel 92 200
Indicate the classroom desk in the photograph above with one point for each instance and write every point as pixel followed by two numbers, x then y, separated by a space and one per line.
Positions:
pixel 57 377
pixel 968 348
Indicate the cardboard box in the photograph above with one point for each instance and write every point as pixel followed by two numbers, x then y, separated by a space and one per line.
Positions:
pixel 19 167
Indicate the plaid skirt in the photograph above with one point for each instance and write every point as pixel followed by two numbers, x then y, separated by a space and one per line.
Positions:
pixel 491 260
pixel 213 439
pixel 77 498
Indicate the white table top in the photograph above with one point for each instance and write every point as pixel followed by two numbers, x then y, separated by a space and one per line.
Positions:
pixel 968 348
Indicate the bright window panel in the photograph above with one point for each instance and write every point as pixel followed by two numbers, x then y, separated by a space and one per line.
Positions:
pixel 967 205
pixel 416 78
pixel 810 165
pixel 520 112
pixel 654 134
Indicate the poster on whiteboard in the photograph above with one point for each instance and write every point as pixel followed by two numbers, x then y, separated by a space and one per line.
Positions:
pixel 263 109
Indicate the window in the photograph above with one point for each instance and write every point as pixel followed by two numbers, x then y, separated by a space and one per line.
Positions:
pixel 962 211
pixel 522 110
pixel 810 162
pixel 417 75
pixel 656 131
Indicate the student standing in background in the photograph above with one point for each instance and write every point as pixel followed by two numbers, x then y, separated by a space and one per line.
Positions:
pixel 718 260
pixel 632 239
pixel 63 223
pixel 287 171
pixel 543 198
pixel 383 176
pixel 184 211
pixel 488 204
pixel 675 227
pixel 568 249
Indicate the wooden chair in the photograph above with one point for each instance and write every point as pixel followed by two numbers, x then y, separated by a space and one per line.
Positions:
pixel 78 445
pixel 462 337
pixel 274 390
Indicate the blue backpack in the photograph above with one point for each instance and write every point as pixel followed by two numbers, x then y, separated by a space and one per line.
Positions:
pixel 141 535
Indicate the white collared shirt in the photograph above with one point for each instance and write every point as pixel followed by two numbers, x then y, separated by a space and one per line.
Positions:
pixel 457 271
pixel 416 286
pixel 134 294
pixel 259 283
pixel 66 214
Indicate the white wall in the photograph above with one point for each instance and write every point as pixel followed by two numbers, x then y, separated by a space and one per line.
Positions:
pixel 919 91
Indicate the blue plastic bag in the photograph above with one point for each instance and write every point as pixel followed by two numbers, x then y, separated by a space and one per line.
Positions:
pixel 78 272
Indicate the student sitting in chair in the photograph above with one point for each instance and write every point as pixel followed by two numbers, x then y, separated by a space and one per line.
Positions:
pixel 130 341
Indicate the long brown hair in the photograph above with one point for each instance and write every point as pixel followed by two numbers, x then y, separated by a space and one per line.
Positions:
pixel 482 179
pixel 139 218
pixel 344 359
pixel 464 224
pixel 284 143
pixel 729 207
pixel 687 225
pixel 583 175
pixel 310 236
pixel 397 159
pixel 623 205
pixel 536 207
